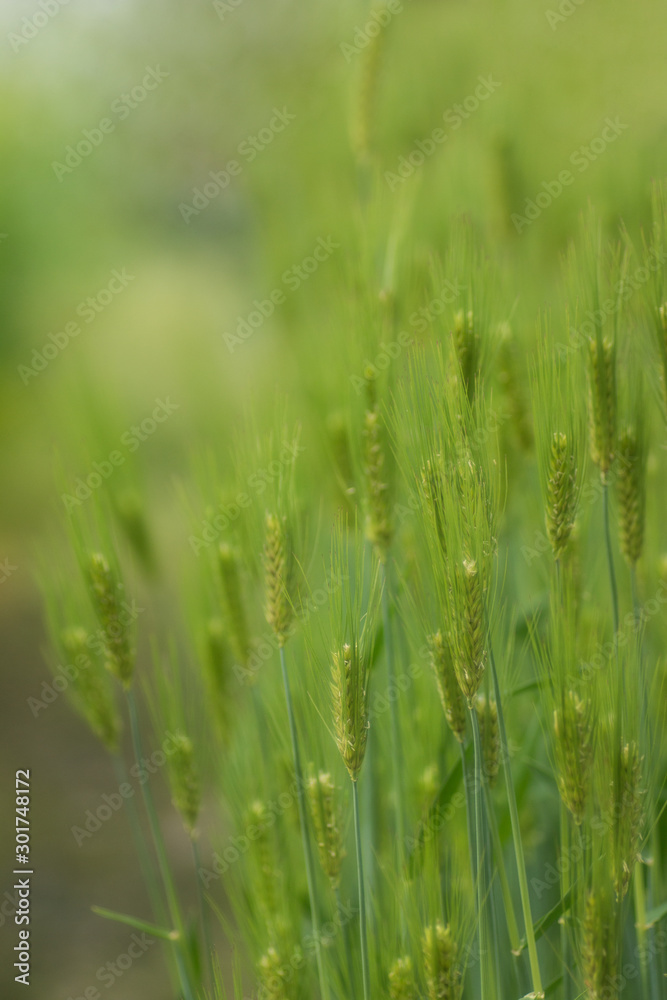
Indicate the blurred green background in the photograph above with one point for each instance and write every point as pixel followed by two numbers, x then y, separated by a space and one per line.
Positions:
pixel 219 72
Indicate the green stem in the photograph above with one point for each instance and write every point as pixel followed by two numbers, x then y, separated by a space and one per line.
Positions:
pixel 565 886
pixel 640 920
pixel 510 916
pixel 480 839
pixel 362 895
pixel 351 992
pixel 469 816
pixel 307 853
pixel 396 755
pixel 161 854
pixel 516 835
pixel 610 561
pixel 203 912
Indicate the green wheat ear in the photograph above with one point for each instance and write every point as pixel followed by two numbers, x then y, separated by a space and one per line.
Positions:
pixel 92 688
pixel 448 686
pixel 602 402
pixel 275 976
pixel 105 589
pixel 562 493
pixel 278 572
pixel 470 650
pixel 378 519
pixel 402 984
pixel 598 948
pixel 487 715
pixel 327 825
pixel 630 809
pixel 441 969
pixel 573 739
pixel 631 489
pixel 466 341
pixel 232 593
pixel 184 781
pixel 349 688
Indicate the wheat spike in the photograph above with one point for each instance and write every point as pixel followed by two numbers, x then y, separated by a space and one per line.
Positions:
pixel 327 825
pixel 448 686
pixel 105 589
pixel 561 493
pixel 278 577
pixel 441 970
pixel 631 494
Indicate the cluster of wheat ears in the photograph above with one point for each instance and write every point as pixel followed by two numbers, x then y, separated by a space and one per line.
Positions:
pixel 409 762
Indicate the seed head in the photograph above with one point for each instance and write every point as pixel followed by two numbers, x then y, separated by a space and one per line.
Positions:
pixel 470 648
pixel 278 577
pixel 561 493
pixel 448 686
pixel 598 951
pixel 185 791
pixel 105 590
pixel 602 403
pixel 378 519
pixel 630 810
pixel 441 970
pixel 487 715
pixel 466 347
pixel 233 603
pixel 434 496
pixel 274 976
pixel 573 741
pixel 631 494
pixel 326 821
pixel 350 706
pixel 91 686
pixel 402 984
pixel 261 820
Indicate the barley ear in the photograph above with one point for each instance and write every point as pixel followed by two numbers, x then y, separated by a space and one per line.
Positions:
pixel 350 706
pixel 185 790
pixel 378 519
pixel 233 603
pixel 92 688
pixel 487 715
pixel 602 403
pixel 573 736
pixel 630 485
pixel 441 970
pixel 561 493
pixel 278 577
pixel 327 825
pixel 448 686
pixel 106 590
pixel 402 984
